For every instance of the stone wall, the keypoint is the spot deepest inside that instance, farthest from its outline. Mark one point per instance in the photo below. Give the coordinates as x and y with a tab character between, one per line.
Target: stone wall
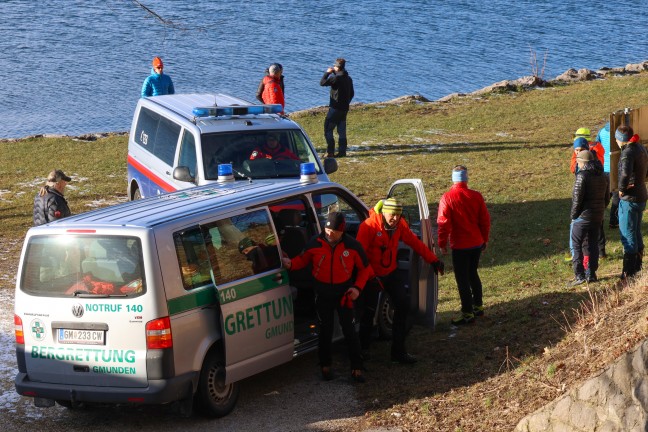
614	401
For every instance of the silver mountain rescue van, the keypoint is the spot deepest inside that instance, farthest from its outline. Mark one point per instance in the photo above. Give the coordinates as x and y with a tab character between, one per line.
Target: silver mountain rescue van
178	297
177	142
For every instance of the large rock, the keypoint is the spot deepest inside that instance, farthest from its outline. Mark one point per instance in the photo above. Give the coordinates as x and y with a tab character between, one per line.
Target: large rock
614	401
571	75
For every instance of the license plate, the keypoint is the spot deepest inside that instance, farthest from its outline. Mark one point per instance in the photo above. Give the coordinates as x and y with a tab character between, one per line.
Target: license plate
84	337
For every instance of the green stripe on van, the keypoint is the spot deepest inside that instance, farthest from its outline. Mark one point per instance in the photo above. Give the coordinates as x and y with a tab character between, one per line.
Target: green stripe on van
206	295
201	297
256	286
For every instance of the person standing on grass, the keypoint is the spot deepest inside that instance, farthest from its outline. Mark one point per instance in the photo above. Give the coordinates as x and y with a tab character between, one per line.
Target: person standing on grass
379	235
603	137
49	203
340	270
464	223
157	83
341	95
633	166
590	196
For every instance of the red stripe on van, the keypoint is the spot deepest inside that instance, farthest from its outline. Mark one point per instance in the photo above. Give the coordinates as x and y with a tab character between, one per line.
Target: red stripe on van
149	175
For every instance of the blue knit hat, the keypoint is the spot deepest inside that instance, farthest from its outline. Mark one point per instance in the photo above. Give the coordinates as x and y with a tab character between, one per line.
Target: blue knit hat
581	142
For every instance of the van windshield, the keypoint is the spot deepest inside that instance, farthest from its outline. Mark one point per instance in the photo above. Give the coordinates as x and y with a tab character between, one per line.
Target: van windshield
68	265
257	154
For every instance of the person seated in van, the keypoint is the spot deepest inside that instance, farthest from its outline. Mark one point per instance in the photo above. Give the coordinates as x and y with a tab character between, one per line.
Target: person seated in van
157	83
272	149
340	269
49	203
263	257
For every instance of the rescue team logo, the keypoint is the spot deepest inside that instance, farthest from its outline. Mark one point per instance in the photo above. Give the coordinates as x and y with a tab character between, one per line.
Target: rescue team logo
77	310
38	329
345	254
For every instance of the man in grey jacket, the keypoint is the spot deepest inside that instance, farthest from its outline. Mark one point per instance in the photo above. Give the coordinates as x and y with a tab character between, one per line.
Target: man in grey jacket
49	203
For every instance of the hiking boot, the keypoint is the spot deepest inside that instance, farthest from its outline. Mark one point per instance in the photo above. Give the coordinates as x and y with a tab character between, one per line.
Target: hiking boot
478	310
327	373
340	155
328	155
357	376
464	318
591	277
578	280
404	358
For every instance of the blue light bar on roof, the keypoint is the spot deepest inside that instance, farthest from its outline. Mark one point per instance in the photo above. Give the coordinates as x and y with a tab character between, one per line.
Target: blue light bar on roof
236	110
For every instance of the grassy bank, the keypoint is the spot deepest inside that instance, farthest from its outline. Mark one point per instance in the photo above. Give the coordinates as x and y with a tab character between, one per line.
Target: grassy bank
517	148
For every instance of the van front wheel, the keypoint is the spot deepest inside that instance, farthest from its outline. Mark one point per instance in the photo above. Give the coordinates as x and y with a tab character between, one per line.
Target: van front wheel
214	398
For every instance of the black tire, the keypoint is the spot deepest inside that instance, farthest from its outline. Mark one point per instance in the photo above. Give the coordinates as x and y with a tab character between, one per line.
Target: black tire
214	398
385	316
137	195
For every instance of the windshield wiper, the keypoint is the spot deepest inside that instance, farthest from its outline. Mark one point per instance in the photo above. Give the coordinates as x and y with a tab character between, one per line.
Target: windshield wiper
86	294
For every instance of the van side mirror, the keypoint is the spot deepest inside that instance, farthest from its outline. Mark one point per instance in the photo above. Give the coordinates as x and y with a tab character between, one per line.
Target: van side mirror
330	165
182	173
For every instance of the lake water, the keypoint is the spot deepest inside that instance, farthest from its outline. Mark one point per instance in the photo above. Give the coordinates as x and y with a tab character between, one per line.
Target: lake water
72	67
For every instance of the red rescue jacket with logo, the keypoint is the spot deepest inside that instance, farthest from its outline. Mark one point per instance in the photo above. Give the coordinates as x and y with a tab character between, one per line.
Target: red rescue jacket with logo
463	218
336	267
382	248
280	152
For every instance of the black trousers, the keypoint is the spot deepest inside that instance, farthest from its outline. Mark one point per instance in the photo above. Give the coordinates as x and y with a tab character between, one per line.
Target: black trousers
394	285
326	305
582	232
465	263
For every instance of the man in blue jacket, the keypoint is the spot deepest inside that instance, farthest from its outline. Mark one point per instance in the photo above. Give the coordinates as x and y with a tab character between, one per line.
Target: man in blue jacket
157	83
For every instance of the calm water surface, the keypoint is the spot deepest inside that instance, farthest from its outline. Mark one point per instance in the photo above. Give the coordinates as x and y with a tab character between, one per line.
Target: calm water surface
74	67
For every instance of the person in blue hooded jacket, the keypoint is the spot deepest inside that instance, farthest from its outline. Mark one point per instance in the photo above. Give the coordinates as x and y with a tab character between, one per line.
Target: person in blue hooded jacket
603	137
157	83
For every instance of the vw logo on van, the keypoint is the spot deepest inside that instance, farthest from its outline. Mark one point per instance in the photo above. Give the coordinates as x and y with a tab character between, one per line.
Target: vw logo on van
77	310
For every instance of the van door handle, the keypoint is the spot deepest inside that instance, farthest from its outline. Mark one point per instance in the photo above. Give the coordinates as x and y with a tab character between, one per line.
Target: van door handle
168	173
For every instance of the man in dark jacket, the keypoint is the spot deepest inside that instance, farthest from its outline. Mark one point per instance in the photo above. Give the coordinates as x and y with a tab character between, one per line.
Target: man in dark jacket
341	85
340	269
49	203
589	200
633	167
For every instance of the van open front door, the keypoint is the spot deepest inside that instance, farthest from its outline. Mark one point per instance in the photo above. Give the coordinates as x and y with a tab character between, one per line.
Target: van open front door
423	281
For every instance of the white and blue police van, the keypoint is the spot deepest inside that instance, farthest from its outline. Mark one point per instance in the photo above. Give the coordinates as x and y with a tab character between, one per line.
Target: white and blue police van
177	141
176	298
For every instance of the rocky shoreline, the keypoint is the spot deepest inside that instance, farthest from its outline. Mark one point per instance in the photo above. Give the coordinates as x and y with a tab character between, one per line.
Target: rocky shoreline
526	83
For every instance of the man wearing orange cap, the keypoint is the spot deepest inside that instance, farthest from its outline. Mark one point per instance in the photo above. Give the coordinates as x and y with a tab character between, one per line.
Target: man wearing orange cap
157	83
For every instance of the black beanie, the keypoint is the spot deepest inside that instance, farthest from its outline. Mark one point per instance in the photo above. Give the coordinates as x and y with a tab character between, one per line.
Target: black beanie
336	221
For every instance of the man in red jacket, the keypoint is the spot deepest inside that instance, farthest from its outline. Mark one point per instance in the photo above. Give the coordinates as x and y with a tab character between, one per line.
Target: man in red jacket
379	234
340	269
464	220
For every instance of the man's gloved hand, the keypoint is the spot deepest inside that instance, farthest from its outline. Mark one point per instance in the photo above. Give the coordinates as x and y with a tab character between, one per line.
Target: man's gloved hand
439	267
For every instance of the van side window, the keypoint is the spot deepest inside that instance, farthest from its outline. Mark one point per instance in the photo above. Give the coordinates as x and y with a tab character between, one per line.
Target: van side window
188	153
241	246
146	129
330	202
193	258
166	140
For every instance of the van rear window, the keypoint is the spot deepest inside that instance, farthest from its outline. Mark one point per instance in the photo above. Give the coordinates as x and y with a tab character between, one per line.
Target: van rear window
69	265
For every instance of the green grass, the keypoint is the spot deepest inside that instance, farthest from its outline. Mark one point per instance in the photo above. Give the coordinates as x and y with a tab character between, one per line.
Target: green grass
517	148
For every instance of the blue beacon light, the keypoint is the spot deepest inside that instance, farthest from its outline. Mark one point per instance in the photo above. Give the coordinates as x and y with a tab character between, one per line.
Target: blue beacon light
308	174
225	173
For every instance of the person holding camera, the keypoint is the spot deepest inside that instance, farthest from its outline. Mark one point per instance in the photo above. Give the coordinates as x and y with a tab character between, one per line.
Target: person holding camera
341	94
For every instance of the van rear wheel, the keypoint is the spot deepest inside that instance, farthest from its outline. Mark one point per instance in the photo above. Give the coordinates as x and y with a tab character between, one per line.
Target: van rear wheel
214	398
